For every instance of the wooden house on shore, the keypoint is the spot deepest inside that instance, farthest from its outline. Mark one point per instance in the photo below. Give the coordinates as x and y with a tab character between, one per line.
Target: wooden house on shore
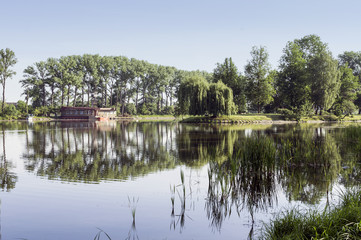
87	113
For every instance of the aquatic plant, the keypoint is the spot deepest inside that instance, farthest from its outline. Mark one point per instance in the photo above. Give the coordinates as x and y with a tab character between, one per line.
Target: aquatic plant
132	204
341	221
98	235
245	179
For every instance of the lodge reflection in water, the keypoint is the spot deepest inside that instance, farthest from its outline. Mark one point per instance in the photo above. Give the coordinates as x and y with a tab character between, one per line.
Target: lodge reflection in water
91	152
245	166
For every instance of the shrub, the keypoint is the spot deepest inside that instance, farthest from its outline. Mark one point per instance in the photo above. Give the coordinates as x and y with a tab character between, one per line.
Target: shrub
168	110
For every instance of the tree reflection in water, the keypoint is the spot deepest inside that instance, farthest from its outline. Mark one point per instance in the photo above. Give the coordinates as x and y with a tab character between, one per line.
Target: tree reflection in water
245	179
92	153
245	166
304	160
8	179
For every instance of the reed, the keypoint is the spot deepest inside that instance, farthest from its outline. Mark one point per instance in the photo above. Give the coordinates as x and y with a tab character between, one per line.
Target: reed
342	221
132	203
99	234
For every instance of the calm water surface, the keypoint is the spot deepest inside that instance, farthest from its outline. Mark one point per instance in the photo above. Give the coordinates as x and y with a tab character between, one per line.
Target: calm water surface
167	180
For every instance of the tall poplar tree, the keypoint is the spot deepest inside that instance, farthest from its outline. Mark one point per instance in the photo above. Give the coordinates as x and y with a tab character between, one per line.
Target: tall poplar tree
227	72
259	85
324	79
7	60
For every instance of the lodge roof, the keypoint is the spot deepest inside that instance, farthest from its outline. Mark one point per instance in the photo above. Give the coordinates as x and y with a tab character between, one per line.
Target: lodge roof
86	108
78	108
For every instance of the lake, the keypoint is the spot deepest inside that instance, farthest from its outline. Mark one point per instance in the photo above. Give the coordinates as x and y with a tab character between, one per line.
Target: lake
129	180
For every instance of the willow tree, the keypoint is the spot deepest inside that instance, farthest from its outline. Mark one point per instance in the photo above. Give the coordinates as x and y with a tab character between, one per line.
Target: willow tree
220	99
192	95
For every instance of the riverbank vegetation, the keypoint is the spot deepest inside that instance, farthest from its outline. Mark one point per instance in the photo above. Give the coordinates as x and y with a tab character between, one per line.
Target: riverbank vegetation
342	221
308	81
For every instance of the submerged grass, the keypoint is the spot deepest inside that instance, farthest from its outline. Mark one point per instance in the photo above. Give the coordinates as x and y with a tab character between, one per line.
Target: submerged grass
342	221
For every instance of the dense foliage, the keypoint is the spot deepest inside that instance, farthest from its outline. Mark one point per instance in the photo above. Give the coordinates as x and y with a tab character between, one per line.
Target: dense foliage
309	80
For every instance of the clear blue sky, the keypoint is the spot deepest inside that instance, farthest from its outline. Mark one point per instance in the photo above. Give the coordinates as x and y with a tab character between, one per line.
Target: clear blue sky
189	35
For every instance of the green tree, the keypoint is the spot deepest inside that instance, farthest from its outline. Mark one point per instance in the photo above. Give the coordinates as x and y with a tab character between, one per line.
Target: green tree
259	86
36	78
7	60
292	86
22	107
192	95
348	92
90	76
220	99
227	72
105	67
353	60
308	76
324	79
321	71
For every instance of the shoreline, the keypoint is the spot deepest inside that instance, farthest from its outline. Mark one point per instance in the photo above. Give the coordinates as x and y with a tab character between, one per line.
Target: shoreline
223	120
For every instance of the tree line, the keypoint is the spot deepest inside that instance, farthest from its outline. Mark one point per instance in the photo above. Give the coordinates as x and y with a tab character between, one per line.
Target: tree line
308	80
134	86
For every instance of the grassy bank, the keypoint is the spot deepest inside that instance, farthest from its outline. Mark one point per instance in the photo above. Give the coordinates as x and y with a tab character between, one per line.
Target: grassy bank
232	119
342	221
259	118
244	118
154	118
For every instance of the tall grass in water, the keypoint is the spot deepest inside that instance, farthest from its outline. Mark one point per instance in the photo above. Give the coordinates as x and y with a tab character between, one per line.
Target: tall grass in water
132	234
132	203
97	237
245	179
342	221
183	199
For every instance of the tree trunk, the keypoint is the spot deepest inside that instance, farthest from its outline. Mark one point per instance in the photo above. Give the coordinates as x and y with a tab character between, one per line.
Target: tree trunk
3	103
27	102
123	104
111	96
105	95
89	96
44	95
76	90
136	102
68	95
158	103
62	97
82	96
52	97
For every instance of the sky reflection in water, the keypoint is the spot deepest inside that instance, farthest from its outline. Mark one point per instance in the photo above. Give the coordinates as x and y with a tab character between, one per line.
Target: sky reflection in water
68	180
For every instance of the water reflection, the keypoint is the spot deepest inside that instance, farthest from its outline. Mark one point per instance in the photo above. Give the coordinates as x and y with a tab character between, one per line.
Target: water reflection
91	153
8	179
246	166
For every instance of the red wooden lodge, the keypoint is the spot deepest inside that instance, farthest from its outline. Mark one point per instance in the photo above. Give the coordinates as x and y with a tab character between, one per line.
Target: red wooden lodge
87	113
